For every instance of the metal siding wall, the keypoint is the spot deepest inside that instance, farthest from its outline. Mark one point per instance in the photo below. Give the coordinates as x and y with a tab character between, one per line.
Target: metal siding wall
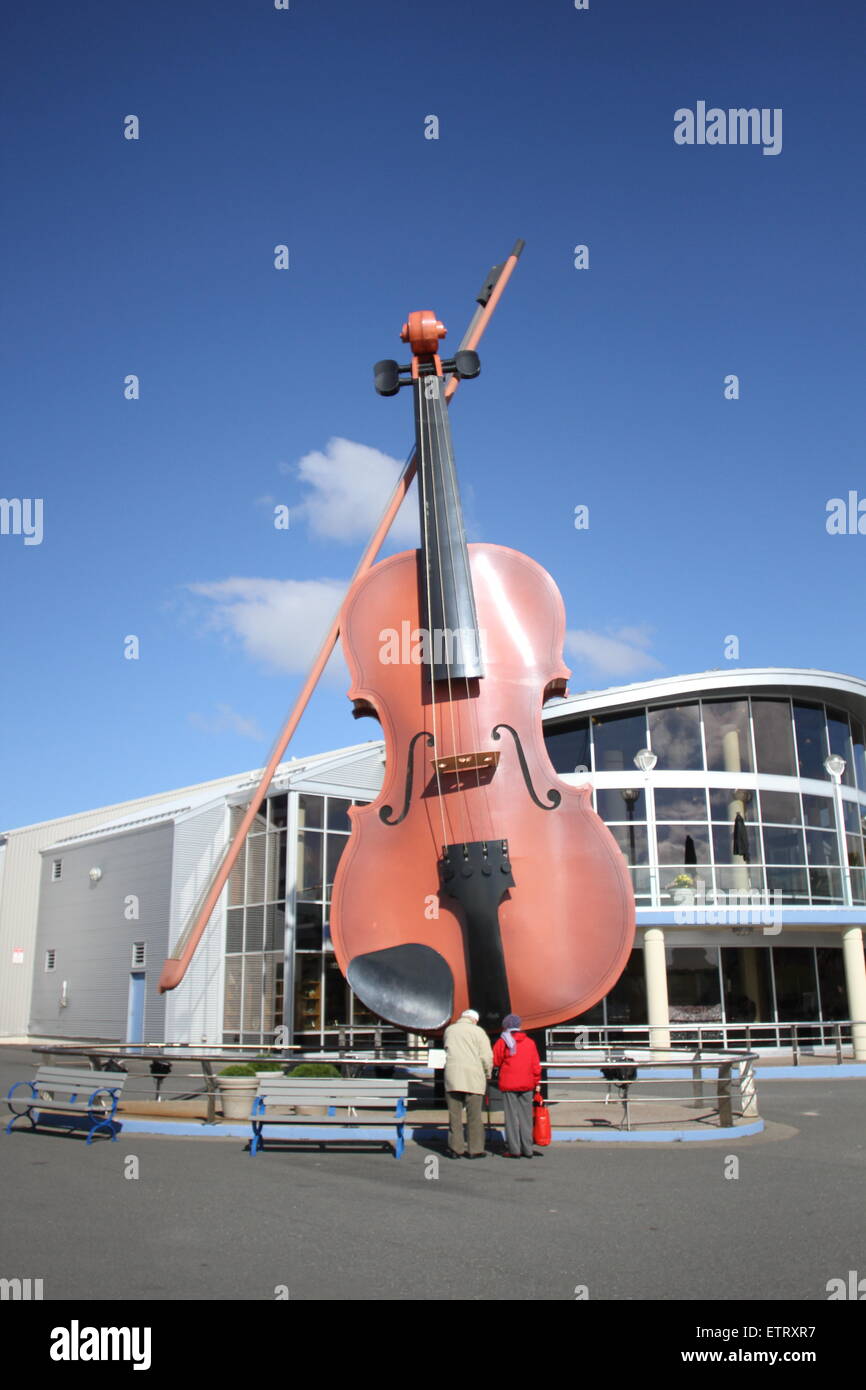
360	777
194	1009
86	926
19	892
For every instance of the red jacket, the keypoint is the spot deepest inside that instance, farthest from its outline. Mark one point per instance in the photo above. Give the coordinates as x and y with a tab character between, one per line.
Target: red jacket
522	1072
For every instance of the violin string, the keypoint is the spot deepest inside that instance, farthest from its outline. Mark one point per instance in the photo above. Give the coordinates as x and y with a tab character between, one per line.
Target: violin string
446	452
461	801
423	473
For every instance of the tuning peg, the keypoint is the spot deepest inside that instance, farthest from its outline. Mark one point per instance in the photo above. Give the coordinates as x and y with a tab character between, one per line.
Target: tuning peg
386	376
467	364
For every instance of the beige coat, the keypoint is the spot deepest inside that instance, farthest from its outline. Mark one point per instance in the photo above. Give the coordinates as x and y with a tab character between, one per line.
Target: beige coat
469	1057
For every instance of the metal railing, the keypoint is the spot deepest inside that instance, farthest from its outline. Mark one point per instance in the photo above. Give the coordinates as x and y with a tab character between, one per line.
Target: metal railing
800	1036
721	1084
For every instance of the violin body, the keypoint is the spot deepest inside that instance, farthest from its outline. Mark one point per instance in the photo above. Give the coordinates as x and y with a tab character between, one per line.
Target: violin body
567	919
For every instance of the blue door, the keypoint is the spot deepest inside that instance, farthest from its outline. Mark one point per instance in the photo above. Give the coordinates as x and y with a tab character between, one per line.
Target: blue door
135	1008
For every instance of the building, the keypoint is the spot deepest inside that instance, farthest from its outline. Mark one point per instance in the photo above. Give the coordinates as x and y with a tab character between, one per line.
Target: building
738	798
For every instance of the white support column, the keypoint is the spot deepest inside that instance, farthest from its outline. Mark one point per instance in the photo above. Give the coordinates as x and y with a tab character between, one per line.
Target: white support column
855	981
655	973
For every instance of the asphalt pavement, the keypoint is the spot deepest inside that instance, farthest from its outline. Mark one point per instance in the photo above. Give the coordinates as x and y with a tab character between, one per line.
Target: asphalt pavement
159	1218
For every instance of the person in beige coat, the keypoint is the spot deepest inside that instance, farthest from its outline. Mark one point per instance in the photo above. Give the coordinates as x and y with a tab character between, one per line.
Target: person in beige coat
468	1064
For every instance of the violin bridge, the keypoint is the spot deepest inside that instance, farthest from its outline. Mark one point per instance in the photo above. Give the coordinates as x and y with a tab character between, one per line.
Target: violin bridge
466	762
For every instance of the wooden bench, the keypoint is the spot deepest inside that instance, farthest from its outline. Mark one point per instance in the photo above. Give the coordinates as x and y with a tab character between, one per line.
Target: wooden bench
66	1091
276	1093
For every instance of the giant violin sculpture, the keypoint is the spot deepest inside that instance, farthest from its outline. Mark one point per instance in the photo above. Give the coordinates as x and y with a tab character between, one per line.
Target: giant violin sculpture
476	877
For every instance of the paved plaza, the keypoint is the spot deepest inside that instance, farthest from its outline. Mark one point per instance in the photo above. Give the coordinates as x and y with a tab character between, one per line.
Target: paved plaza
204	1220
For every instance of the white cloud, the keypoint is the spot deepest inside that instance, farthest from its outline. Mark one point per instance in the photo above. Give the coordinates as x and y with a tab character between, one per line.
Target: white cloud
348	486
280	622
227	720
623	652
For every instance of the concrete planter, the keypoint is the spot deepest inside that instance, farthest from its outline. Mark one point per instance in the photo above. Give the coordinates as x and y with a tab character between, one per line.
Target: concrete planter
237	1094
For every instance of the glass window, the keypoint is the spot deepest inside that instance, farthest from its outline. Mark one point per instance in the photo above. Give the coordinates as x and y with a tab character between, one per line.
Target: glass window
234	931
269	989
633	842
858	885
308	927
855	851
790	884
278	811
781	808
774	738
232	999
740	879
831	982
693	984
822	847
626	1002
237	877
683	844
681	803
675	736
641	883
819	811
726	730
811	740
826	885
783	846
338	813
852	814
747	985
275	927
859	752
336	996
621	803
308	992
310	882
840	742
336	845
617	737
568	745
311	811
255	929
796	982
256	868
722	800
251	1020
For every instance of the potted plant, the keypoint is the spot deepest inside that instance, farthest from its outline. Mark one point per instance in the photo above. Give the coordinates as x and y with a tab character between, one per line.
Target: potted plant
322	1069
682	888
238	1084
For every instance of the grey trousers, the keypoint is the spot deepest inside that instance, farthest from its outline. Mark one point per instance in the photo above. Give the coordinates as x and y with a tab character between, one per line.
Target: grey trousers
518	1122
474	1116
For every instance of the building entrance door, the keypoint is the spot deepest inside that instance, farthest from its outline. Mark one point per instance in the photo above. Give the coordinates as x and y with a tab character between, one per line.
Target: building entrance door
135	1008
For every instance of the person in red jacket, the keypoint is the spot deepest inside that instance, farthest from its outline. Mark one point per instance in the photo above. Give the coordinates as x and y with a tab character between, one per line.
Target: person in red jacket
517	1058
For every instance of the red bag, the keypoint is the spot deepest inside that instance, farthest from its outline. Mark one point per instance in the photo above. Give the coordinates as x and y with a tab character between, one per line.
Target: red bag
540	1121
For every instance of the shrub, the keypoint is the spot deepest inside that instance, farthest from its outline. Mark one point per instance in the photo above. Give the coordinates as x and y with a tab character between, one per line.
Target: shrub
314	1069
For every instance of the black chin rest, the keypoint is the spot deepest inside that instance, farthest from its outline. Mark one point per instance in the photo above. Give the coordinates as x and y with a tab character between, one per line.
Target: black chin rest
410	986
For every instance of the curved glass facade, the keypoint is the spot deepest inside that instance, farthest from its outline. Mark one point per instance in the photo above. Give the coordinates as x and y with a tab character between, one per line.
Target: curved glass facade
723	839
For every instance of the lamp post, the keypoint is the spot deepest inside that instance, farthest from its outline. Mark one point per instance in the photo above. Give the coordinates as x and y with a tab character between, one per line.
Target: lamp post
835	769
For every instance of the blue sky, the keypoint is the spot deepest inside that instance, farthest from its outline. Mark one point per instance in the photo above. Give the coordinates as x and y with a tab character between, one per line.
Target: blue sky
601	387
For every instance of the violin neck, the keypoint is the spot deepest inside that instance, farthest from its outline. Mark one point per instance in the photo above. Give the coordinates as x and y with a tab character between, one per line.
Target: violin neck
447	597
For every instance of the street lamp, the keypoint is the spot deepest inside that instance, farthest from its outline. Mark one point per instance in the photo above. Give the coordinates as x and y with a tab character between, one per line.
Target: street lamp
645	761
835	766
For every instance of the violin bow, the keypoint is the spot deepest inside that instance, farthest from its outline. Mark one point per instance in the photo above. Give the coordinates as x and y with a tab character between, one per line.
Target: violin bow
177	964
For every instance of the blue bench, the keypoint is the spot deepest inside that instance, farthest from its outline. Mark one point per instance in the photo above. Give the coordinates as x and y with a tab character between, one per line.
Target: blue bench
277	1095
64	1091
